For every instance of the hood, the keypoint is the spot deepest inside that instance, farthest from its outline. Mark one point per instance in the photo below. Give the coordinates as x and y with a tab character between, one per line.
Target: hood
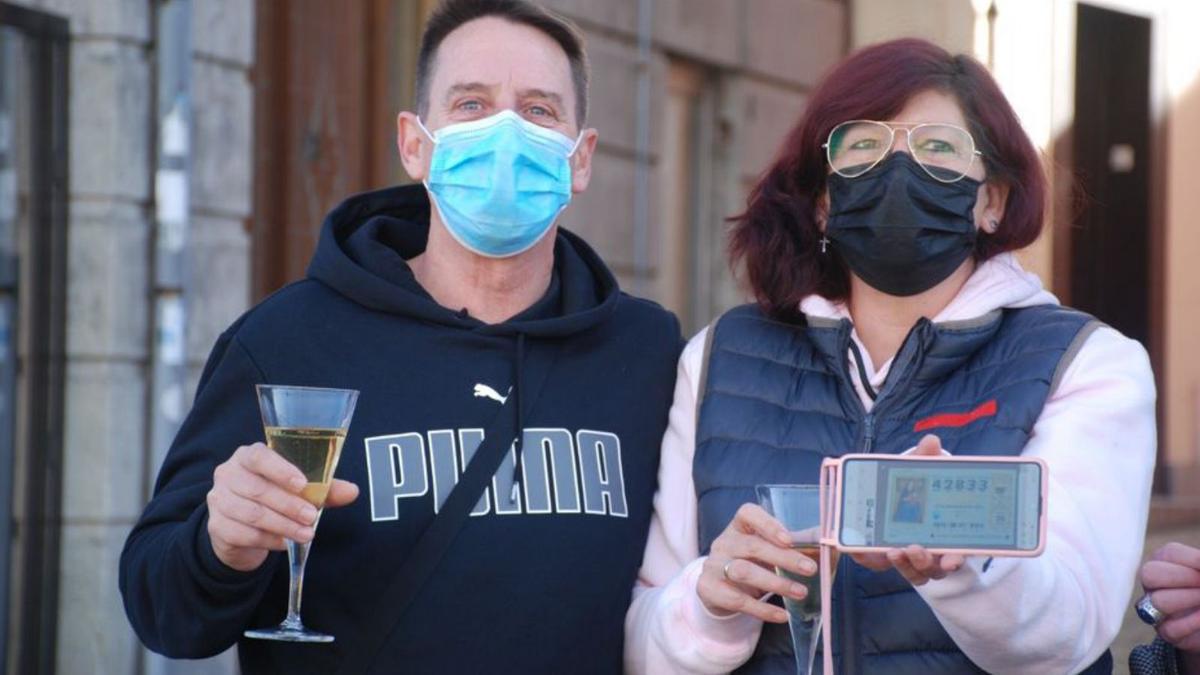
366	241
998	283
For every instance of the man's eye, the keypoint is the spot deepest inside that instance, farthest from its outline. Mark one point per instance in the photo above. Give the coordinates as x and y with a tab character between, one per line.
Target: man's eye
540	111
470	105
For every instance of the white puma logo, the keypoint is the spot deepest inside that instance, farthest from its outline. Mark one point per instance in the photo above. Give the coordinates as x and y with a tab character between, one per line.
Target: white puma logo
484	391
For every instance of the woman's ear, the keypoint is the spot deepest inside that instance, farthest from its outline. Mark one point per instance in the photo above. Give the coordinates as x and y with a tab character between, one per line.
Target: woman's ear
989	206
821	210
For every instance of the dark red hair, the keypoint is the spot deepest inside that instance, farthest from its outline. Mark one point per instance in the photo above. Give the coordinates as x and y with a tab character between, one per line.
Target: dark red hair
777	237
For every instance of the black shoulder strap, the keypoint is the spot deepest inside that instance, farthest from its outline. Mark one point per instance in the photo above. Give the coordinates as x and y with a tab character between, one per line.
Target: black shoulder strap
421	562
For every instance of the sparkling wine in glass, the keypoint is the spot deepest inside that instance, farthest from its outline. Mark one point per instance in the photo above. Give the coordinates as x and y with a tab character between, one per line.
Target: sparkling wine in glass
798	508
306	426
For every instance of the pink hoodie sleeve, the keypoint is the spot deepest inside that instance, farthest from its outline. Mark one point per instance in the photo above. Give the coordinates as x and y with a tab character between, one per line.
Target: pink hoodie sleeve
668	629
1058	612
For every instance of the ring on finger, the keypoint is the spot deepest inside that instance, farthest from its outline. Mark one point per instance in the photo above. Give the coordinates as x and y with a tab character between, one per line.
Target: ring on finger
725	569
1147	612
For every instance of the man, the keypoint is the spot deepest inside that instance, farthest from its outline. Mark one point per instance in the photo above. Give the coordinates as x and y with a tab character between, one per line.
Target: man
445	319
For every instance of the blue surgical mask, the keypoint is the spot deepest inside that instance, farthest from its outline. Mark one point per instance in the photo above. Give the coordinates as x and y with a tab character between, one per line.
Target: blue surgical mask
500	182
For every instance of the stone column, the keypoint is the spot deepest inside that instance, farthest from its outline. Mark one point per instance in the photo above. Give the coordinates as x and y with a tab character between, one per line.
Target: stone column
103	453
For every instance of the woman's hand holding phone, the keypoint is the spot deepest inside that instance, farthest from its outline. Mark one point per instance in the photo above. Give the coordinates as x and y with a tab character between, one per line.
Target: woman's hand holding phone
914	563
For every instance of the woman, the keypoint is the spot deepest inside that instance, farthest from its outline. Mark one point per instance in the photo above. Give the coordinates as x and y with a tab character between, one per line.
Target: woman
889	307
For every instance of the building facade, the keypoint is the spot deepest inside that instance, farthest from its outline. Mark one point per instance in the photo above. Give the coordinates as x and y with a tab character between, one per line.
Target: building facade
1118	128
138	177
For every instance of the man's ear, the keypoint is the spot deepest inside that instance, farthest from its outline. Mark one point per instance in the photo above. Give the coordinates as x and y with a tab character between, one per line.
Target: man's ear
414	145
989	206
581	161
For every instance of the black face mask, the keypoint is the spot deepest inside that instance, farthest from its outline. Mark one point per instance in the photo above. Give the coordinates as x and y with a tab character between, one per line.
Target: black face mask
900	230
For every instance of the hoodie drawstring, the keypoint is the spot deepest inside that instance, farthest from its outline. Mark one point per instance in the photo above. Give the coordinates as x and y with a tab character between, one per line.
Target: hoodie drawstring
862	370
518	442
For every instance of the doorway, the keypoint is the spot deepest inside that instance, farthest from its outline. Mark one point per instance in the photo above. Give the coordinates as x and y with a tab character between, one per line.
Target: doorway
329	80
1116	239
1111	240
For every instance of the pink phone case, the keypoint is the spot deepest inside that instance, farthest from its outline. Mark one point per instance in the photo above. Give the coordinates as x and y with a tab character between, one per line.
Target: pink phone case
831	500
831	524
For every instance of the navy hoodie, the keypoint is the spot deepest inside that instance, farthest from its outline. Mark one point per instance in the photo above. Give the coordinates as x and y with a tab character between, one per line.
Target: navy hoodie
535	585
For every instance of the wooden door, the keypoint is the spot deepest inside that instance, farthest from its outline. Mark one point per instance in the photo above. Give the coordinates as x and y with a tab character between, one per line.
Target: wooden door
1110	244
1115	246
329	80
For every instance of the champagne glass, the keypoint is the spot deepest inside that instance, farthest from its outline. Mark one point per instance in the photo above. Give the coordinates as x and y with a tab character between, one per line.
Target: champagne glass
798	508
306	426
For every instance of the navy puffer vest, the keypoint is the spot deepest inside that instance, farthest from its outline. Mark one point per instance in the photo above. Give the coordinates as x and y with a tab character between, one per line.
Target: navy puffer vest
777	398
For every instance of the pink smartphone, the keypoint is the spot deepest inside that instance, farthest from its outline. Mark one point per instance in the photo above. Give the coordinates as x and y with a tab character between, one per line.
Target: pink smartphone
946	503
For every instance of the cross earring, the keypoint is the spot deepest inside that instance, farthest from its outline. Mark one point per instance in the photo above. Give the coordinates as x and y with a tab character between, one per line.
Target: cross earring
824	243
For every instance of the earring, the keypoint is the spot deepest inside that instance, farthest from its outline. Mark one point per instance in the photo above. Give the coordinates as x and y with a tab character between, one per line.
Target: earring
995	225
824	243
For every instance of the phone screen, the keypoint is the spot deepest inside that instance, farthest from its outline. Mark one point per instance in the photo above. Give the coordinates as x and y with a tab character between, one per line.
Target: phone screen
941	504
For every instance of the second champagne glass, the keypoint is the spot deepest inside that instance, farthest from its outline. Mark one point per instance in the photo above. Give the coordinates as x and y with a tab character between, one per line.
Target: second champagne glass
798	508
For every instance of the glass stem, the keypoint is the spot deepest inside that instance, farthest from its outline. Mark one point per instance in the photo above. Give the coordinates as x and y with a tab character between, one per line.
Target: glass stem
804	642
297	556
814	641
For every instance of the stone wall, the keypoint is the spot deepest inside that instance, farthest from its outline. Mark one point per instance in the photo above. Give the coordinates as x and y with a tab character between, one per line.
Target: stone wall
756	59
107	466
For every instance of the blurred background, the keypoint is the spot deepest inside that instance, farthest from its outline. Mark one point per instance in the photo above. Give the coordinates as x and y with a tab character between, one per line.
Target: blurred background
165	164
